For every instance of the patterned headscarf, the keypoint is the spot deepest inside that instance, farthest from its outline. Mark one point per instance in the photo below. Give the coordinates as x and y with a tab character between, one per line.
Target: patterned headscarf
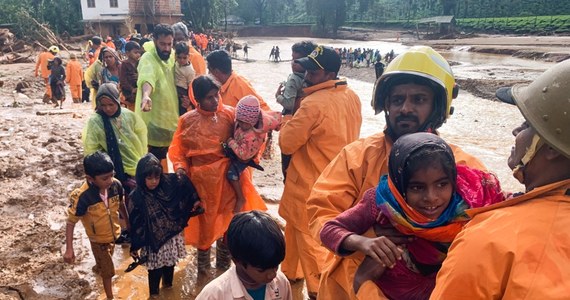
472	188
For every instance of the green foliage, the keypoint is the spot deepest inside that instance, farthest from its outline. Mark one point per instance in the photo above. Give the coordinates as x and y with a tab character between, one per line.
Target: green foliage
535	24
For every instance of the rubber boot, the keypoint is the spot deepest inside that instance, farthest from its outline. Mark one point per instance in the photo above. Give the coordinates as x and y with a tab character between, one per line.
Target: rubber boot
203	260
223	257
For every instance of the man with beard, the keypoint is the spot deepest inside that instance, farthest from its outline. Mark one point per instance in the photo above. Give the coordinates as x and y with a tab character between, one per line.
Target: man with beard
519	249
157	100
415	93
328	119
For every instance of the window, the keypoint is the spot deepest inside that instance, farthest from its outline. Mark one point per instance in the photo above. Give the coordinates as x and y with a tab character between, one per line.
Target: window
114	3
91	3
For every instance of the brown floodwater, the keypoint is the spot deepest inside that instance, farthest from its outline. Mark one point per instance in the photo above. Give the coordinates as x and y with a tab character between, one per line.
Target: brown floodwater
481	127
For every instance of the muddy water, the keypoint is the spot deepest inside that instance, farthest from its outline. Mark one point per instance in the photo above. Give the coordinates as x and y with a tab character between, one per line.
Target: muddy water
480	127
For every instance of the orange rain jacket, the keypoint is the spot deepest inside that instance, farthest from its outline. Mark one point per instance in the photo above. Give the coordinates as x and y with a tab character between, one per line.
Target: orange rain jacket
197	61
74	72
357	168
237	87
328	119
196	147
42	62
517	249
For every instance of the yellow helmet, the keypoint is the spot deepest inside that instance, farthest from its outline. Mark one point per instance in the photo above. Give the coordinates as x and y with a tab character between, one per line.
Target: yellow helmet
426	63
53	49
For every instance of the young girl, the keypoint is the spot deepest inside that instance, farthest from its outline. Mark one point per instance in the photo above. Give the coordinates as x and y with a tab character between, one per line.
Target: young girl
425	194
251	127
57	82
159	209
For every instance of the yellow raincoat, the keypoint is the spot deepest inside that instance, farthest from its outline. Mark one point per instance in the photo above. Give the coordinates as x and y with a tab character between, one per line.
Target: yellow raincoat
93	73
328	119
196	147
356	169
162	120
131	135
517	249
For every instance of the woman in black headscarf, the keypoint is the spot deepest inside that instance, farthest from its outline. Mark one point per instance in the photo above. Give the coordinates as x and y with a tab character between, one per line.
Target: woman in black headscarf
159	209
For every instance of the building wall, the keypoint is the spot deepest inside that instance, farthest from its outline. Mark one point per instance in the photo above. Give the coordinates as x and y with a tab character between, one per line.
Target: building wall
144	13
156	7
103	10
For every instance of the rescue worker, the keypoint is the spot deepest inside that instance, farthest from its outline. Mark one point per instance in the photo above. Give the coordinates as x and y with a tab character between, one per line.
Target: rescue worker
74	72
42	68
328	119
234	86
415	93
519	249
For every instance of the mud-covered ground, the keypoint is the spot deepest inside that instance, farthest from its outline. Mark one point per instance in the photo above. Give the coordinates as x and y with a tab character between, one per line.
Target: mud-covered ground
41	163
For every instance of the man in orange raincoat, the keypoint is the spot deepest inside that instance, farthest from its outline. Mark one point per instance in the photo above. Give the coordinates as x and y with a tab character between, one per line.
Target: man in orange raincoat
234	86
42	68
74	77
415	93
520	248
328	119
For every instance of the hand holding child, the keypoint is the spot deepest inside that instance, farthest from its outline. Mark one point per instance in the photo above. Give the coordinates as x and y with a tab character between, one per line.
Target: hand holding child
382	250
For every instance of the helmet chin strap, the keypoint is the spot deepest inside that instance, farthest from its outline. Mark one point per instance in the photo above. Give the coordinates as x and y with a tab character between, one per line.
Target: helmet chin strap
535	145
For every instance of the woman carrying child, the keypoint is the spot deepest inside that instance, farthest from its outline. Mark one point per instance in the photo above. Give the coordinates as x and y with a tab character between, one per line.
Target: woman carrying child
250	132
57	82
196	150
425	195
159	209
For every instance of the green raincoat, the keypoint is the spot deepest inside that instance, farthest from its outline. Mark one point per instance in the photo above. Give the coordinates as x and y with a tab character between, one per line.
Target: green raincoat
131	135
162	120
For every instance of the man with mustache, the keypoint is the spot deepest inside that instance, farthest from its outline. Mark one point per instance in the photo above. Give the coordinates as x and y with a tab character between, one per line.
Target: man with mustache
328	119
519	249
415	93
157	100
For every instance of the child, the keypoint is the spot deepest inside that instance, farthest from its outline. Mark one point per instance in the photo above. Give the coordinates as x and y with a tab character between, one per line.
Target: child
250	132
97	204
159	209
425	194
57	82
128	74
183	75
74	72
257	247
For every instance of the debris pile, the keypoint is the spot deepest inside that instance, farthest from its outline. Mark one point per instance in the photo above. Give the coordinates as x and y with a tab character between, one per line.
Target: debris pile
11	49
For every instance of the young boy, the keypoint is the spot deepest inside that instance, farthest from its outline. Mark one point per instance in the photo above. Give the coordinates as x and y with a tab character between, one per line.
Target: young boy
74	72
183	75
128	74
257	247
97	203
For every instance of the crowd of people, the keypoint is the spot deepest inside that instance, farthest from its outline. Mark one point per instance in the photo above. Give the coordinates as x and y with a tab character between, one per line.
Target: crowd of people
401	214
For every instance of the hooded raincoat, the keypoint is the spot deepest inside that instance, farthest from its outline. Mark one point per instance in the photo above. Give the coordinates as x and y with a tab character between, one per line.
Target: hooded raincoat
341	185
130	132
237	87
517	249
328	119
162	120
196	148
